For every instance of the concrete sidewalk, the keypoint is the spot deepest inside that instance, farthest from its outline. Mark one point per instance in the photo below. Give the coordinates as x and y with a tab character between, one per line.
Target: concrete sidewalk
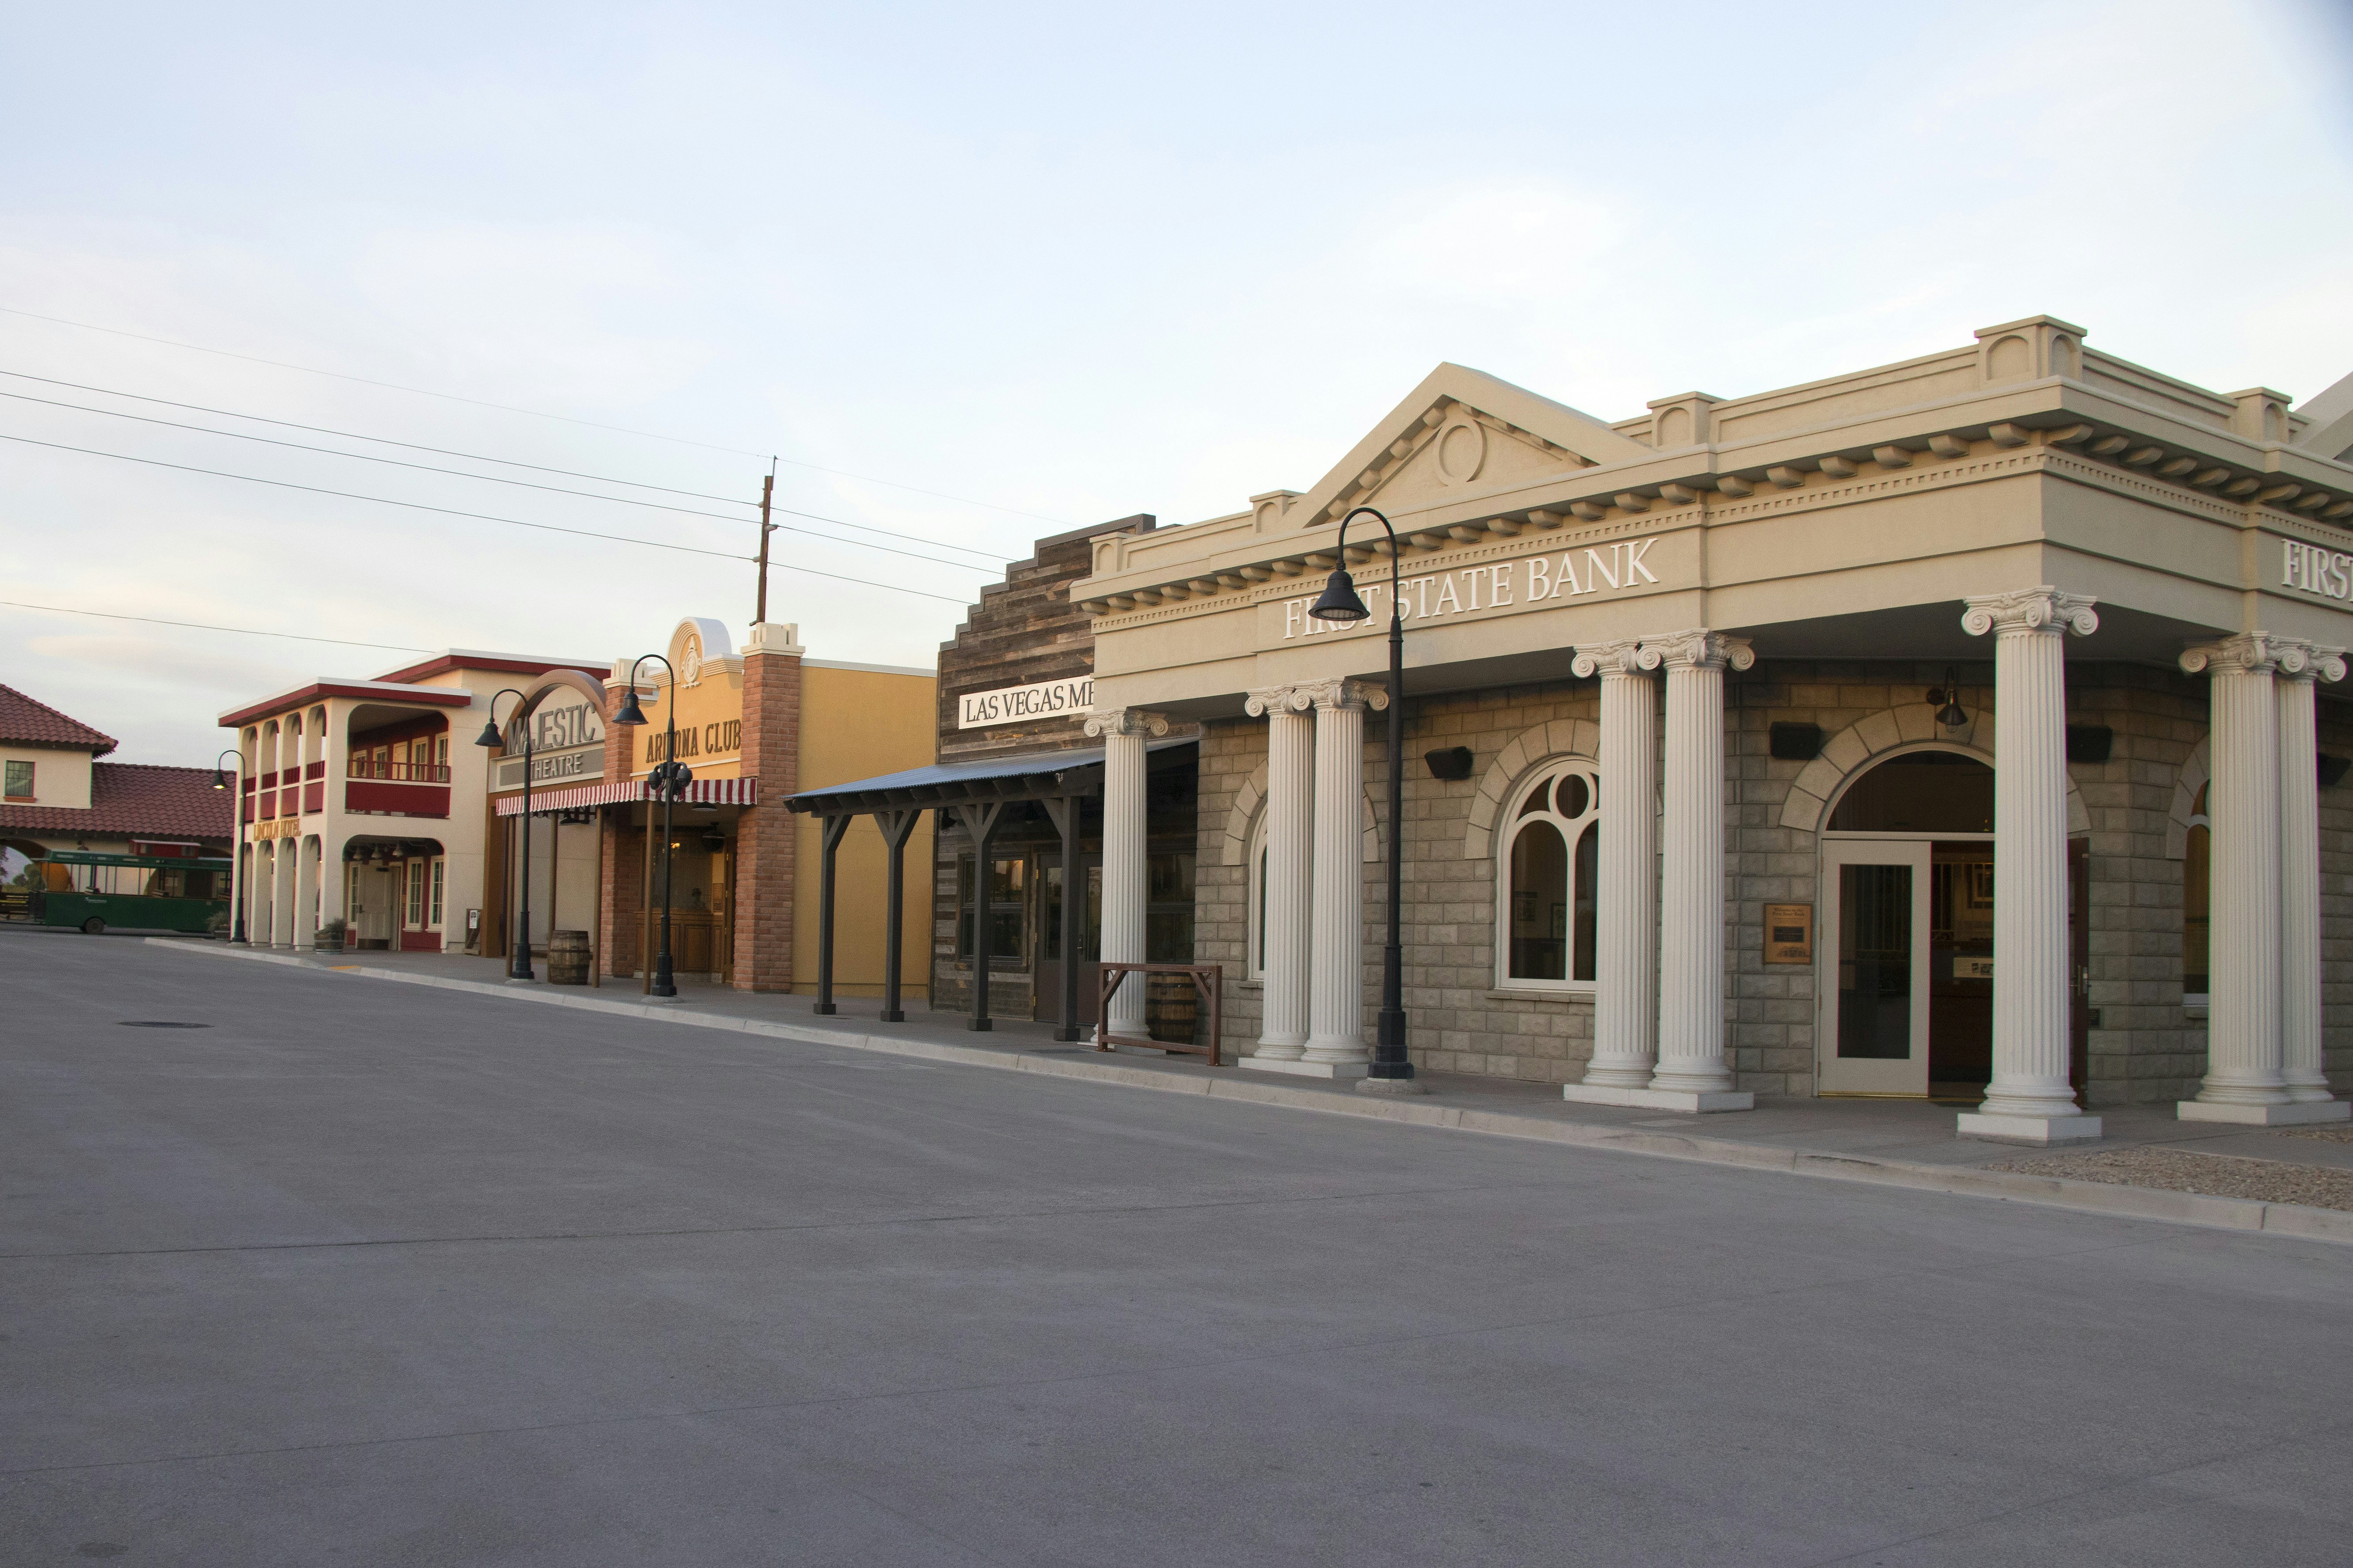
1906	1143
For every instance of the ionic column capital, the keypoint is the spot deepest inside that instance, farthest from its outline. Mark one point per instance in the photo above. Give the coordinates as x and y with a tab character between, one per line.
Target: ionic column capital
1695	647
2025	611
1343	694
2248	653
1266	700
1620	657
2302	661
1126	722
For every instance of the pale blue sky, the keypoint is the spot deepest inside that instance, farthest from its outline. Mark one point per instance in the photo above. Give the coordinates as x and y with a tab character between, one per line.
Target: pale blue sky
1074	263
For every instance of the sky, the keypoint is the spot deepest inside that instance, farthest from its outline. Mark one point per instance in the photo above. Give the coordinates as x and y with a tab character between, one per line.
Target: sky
973	276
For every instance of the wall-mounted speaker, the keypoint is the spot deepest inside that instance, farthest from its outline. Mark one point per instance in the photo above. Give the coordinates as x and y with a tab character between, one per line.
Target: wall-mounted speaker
1792	743
2090	742
1449	762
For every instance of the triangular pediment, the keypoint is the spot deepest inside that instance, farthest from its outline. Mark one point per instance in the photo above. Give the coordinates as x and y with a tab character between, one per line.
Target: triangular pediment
1460	432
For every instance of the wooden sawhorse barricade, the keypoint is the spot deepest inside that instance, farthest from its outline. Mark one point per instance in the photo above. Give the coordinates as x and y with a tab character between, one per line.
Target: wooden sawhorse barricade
1208	980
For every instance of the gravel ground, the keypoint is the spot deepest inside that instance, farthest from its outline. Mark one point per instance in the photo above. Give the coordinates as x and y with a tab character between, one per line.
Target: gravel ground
2342	1133
2214	1175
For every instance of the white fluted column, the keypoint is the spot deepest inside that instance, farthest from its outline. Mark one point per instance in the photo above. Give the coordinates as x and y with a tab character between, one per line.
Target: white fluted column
2243	1059
1123	731
2250	971
1287	896
1335	962
1692	1063
2299	768
2029	1097
1626	940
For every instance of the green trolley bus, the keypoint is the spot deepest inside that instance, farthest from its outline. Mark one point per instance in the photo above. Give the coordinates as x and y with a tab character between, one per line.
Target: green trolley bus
137	892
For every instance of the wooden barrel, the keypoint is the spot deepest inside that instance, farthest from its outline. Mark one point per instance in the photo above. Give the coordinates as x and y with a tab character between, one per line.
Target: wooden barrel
1172	1008
568	958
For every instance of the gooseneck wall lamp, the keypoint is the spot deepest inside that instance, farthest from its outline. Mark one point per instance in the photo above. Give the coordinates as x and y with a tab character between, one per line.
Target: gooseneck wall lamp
1391	1067
519	953
236	818
669	779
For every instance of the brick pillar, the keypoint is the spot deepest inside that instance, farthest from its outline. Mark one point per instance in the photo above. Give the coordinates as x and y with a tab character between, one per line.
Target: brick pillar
765	833
623	891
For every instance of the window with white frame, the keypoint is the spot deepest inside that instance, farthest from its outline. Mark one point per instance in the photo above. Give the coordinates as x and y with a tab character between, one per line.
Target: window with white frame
433	914
1549	856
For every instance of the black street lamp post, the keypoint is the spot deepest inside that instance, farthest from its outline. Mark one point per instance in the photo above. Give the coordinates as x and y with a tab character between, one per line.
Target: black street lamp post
237	872
669	779
519	960
1391	1069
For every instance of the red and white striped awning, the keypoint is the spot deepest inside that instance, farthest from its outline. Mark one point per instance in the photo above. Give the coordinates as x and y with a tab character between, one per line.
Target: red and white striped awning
702	791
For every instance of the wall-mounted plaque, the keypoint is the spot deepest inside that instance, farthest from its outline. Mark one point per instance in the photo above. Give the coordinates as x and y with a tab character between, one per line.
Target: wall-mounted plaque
1788	933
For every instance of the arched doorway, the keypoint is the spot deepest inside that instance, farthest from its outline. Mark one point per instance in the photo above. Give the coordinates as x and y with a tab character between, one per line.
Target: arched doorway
1905	955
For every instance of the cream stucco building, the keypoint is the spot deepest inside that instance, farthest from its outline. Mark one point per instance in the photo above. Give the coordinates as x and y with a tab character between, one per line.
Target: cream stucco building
1955	728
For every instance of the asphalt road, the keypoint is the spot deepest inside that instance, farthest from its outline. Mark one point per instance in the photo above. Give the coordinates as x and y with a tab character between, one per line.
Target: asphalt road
369	1273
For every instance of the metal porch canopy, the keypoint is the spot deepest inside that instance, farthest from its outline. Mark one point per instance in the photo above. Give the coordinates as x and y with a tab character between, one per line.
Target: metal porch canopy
1032	776
975	795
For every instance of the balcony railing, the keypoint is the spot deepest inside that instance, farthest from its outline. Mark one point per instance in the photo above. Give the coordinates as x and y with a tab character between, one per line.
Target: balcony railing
401	772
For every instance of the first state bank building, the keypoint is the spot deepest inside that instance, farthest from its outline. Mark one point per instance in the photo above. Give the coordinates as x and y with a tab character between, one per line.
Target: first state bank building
1959	728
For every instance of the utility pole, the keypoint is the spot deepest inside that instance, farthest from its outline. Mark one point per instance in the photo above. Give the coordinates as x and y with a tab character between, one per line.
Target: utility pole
767	491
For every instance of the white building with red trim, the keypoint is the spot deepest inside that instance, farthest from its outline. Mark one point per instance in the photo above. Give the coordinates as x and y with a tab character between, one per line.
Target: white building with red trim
361	801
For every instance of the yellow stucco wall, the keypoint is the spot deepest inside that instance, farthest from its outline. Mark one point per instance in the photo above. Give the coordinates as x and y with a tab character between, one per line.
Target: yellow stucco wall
855	724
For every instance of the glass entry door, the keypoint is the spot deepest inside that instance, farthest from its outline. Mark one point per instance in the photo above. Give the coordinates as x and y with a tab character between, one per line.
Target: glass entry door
1872	983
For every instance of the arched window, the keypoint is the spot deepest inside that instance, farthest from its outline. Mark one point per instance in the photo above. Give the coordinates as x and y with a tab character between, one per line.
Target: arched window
1550	859
1258	899
2196	893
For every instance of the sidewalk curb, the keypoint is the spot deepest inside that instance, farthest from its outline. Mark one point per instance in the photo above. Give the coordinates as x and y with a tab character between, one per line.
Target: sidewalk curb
2048	1191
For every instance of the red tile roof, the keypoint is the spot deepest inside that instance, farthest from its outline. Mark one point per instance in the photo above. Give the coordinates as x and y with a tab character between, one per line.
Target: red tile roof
139	800
39	724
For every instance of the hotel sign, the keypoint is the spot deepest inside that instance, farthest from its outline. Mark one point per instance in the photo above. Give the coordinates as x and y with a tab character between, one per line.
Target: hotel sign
1012	704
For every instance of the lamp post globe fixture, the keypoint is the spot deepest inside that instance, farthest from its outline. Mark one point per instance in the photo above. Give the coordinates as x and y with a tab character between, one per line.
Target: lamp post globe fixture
669	778
1392	1069
519	953
236	818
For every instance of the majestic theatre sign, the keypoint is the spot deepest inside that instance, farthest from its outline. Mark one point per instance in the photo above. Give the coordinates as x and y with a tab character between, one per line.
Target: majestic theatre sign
565	736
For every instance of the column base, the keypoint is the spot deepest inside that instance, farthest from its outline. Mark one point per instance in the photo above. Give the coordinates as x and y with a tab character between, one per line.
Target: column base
1658	1099
2027	1129
1298	1068
2295	1114
1391	1086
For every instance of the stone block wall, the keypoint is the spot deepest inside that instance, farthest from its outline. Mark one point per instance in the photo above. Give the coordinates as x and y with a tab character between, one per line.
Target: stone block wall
2145	1046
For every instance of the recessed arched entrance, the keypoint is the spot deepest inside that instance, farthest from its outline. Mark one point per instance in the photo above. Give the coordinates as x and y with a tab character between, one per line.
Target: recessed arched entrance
1905	956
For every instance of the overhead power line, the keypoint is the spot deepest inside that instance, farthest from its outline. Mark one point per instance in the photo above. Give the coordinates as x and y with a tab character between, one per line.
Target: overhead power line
533	413
203	627
380	440
439	452
387	385
490	478
478	516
